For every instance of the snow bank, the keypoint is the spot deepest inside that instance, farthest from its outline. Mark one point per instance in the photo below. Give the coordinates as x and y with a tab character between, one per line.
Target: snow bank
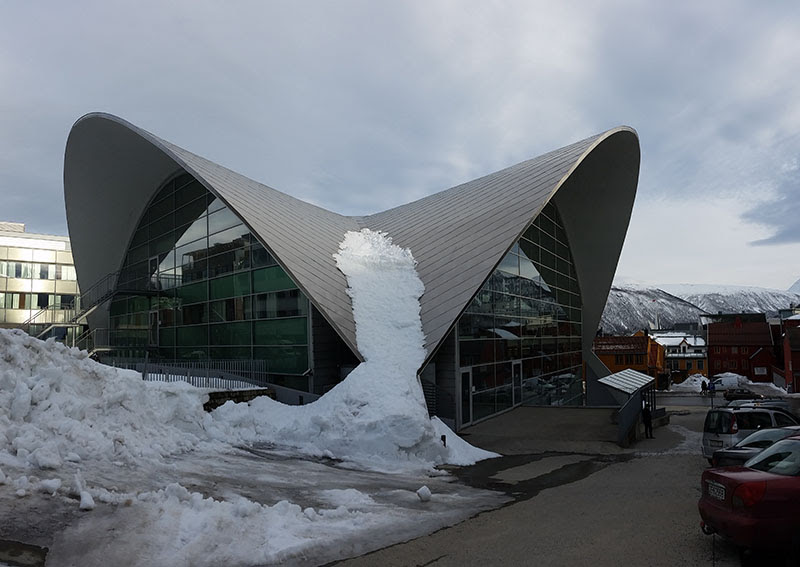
58	405
692	383
376	418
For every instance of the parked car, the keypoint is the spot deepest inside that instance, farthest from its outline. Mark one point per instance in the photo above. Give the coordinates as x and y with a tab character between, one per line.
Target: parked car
778	403
727	426
751	446
741	394
755	506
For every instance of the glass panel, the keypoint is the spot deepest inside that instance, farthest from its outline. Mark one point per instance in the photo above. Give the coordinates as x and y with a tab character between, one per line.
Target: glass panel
235	237
229	286
509	264
260	257
478	351
230	334
271	279
280	332
483	377
288	359
192	336
483	404
222	219
193	293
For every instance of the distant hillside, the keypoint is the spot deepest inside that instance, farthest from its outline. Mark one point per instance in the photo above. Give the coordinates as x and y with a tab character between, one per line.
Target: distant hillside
795	287
631	308
735	299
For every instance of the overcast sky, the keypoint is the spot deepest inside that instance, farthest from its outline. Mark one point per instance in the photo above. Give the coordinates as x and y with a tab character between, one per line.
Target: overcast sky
361	106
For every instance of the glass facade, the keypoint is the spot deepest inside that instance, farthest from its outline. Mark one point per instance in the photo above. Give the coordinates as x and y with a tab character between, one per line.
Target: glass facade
519	340
197	285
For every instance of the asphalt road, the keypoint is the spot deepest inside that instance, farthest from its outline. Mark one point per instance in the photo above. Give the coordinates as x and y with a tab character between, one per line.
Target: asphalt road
636	508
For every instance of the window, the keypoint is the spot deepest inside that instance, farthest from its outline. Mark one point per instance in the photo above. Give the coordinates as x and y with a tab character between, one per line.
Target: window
618	359
733	365
745	364
782	420
688	365
745	350
717	350
700	365
734	350
717	364
639	359
760	370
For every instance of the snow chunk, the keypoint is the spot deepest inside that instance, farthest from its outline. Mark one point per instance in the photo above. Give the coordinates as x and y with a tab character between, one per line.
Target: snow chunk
87	502
424	494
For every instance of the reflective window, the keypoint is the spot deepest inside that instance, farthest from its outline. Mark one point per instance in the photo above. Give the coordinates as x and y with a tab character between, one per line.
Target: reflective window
527	313
202	287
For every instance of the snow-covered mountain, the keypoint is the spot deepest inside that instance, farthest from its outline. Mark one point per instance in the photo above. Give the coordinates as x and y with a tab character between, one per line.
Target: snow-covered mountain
795	287
634	307
734	299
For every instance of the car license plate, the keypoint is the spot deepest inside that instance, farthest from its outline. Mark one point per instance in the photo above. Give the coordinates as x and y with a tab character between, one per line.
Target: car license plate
715	443
715	490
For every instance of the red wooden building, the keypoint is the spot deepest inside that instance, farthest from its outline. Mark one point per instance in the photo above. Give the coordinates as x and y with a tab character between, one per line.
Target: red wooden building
741	344
791	354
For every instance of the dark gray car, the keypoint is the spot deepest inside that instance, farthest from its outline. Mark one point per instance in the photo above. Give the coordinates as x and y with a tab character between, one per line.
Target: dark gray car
751	446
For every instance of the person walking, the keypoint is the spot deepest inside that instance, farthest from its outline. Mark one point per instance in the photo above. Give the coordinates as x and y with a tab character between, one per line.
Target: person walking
703	388
647	419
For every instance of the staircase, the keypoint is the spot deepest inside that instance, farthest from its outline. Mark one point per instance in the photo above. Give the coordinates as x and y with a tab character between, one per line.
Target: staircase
62	316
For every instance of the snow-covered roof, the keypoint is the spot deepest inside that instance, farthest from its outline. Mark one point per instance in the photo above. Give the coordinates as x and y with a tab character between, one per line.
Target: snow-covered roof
627	381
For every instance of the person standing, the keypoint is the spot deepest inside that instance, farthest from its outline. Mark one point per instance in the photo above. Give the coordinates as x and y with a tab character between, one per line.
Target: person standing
647	419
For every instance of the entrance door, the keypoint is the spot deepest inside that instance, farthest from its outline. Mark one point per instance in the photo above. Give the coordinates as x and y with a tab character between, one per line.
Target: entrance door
466	397
516	374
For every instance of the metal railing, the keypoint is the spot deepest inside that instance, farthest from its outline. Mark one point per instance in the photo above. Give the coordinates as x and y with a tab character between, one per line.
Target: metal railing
70	314
205	374
94	340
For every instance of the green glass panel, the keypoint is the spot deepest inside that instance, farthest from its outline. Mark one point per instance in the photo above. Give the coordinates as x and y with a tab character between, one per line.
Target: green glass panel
196	335
281	332
272	278
230	334
192	353
290	360
230	353
166	337
193	293
230	286
118	307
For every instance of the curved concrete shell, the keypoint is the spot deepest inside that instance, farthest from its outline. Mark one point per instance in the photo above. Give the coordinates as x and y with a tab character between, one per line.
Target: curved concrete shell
113	169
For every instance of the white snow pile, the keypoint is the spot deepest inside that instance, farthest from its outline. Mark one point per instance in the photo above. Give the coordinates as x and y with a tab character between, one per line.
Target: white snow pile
57	405
376	418
692	383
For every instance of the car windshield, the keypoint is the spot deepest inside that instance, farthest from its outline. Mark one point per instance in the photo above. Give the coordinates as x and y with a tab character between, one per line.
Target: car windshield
782	458
765	437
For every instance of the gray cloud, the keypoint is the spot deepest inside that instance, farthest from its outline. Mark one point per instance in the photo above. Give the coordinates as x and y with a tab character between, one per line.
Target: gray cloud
359	106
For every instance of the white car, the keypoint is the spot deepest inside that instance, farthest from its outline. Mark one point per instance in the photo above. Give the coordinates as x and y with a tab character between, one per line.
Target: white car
726	426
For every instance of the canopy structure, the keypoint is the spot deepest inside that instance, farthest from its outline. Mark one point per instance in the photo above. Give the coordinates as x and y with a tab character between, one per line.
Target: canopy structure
113	170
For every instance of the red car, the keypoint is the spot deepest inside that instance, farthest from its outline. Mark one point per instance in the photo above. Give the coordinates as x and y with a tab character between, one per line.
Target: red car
756	506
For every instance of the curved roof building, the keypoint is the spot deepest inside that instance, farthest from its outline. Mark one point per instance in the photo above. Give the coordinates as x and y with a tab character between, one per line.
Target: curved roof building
206	264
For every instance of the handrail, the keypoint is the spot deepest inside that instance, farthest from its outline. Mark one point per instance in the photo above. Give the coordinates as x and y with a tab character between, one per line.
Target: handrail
50	309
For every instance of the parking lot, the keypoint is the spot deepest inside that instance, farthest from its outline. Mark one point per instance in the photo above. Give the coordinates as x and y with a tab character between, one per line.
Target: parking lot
586	502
